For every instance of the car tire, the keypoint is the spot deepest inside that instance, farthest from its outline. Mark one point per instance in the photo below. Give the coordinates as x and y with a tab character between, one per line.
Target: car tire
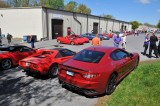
59	41
72	43
53	71
6	64
111	85
136	63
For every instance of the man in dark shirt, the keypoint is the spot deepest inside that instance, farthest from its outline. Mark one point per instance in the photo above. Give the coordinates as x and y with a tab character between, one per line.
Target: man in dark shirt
153	40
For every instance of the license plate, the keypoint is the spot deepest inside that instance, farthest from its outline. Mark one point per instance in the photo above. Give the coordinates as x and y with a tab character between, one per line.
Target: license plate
70	73
27	64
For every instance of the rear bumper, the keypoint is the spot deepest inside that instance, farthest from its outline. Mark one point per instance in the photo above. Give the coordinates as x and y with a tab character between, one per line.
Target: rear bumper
28	70
87	87
89	92
31	71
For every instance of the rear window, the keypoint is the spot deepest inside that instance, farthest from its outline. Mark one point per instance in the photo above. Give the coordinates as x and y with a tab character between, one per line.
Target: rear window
89	56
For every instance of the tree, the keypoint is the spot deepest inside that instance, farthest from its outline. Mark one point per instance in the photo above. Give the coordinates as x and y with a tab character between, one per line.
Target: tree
42	2
107	16
14	3
83	9
71	6
3	4
135	24
55	4
158	25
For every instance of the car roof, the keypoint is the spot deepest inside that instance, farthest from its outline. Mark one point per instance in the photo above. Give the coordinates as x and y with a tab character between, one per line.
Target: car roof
6	46
106	49
58	49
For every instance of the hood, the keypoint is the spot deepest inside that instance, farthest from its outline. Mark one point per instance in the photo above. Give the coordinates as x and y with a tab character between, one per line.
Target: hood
81	65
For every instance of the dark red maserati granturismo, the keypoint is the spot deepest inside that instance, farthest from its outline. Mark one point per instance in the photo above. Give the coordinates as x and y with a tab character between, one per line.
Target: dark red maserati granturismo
97	69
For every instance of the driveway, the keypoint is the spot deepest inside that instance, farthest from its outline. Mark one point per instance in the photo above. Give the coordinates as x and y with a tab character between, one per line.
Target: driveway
17	88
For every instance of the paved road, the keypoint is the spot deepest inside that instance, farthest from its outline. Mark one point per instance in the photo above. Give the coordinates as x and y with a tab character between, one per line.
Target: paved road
16	88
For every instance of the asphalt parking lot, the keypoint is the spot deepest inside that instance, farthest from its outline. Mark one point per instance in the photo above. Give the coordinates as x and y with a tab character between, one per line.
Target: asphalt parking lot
19	89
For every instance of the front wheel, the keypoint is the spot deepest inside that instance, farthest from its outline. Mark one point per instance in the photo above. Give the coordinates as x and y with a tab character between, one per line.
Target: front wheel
136	63
72	43
111	86
6	64
53	71
59	41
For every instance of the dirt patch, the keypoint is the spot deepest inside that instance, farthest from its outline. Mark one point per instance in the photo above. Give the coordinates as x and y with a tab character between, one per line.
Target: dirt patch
102	101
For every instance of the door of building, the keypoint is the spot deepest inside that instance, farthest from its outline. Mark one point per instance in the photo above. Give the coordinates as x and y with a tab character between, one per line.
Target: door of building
57	28
95	28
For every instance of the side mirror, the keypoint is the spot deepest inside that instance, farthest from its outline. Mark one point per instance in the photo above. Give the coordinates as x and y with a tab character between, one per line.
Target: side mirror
130	55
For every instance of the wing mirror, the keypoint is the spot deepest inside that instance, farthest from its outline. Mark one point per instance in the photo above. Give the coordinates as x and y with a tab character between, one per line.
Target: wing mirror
130	55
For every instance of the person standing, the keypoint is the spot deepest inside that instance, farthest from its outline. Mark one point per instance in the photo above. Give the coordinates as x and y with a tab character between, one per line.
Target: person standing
153	46
159	45
124	41
96	41
9	37
146	43
117	40
0	40
32	41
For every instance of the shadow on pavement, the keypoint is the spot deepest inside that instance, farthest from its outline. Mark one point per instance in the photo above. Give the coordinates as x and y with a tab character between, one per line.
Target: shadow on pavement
18	89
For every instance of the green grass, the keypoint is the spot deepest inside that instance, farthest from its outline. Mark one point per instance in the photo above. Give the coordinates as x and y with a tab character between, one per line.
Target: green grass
140	88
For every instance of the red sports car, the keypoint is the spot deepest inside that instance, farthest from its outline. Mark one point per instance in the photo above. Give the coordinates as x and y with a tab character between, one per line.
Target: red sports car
97	70
86	40
46	63
10	55
70	40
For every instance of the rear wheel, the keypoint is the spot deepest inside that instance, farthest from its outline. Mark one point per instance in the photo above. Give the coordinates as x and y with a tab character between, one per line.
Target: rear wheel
111	86
53	71
6	64
72	43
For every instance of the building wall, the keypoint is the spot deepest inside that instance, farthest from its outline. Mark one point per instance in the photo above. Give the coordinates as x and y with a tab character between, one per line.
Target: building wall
38	21
19	22
103	25
116	26
110	25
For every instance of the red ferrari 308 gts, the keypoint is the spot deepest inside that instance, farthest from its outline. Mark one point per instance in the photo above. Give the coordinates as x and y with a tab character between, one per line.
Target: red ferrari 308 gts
97	70
70	40
47	62
86	40
10	55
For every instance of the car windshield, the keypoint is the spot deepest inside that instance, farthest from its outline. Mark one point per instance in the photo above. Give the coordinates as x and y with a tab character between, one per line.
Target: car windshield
89	56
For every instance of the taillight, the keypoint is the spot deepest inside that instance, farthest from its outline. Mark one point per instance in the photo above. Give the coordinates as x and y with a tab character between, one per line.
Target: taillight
90	75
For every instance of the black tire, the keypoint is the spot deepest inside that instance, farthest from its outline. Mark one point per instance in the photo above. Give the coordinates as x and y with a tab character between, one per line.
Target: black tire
6	64
59	41
111	85
136	63
72	43
53	71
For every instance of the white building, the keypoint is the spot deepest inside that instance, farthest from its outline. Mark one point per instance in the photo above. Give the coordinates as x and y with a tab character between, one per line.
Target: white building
50	23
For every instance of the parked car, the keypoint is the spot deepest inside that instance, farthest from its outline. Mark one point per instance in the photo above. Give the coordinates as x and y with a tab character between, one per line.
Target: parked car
97	70
10	55
70	40
85	39
90	36
46	62
106	37
110	35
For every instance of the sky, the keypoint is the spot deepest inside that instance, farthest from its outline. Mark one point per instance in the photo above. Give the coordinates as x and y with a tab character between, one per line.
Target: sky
126	10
